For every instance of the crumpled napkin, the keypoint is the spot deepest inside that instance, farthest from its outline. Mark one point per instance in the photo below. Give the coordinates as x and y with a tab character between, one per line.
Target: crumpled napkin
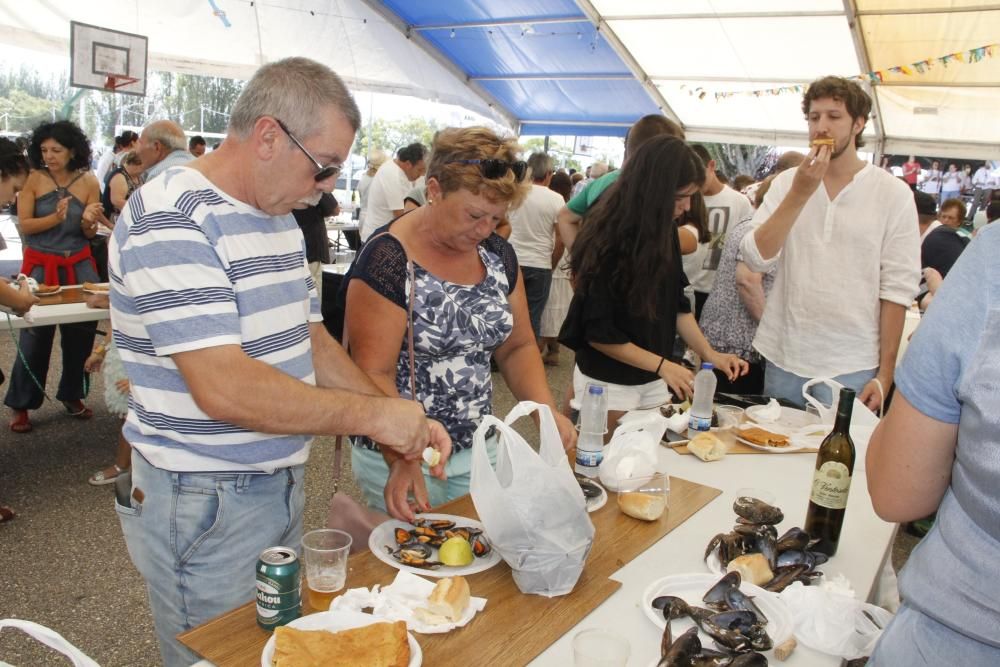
829	618
769	413
399	600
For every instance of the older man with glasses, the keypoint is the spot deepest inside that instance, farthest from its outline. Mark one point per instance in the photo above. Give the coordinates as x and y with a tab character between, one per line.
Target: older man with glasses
219	327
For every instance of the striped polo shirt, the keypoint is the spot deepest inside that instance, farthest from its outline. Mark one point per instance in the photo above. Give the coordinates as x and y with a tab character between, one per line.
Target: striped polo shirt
193	268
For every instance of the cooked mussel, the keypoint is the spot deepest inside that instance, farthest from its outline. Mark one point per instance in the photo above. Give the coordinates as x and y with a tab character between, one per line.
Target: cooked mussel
754	510
715	597
480	545
402	536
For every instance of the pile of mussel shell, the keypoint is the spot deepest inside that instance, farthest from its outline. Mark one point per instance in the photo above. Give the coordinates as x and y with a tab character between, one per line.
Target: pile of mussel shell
415	547
788	555
729	617
590	489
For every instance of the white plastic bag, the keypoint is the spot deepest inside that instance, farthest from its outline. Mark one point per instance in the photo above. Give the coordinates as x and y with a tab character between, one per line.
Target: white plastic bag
833	621
861	416
531	505
633	449
50	638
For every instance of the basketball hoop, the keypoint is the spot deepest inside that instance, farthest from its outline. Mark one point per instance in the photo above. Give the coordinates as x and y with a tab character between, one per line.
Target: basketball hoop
115	81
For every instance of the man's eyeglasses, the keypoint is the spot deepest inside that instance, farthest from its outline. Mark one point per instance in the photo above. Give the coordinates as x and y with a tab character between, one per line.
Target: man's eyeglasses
491	168
322	173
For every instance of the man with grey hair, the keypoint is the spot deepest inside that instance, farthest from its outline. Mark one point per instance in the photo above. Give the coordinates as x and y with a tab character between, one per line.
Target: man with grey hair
594	172
219	328
533	235
161	145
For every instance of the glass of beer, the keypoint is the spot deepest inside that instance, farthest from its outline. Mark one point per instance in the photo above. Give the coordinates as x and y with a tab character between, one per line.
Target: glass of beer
324	557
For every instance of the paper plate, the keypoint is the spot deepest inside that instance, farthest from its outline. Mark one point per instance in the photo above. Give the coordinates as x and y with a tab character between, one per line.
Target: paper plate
794	443
692	587
384	536
335	621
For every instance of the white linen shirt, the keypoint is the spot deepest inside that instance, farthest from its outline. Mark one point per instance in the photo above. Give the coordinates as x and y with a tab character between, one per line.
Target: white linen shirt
840	259
533	227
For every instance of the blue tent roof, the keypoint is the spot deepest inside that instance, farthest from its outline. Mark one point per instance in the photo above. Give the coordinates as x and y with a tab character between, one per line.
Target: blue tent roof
543	61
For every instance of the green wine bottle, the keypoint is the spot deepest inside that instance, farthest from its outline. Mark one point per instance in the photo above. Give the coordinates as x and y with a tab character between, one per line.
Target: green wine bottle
832	480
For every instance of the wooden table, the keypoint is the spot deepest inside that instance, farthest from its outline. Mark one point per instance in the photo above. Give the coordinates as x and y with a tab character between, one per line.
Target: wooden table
536	622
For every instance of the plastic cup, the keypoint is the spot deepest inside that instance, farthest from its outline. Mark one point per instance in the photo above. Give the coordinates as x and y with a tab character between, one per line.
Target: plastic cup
600	648
646	497
760	494
730	417
324	555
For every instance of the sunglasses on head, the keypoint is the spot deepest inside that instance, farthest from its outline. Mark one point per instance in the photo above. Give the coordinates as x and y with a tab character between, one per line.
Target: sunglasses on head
322	173
491	168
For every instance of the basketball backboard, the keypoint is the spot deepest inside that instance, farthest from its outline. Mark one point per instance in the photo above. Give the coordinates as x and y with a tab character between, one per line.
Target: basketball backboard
109	60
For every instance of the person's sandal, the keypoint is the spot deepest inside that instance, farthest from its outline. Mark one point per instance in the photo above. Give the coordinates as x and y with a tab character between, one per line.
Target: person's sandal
77	409
20	423
106	476
6	514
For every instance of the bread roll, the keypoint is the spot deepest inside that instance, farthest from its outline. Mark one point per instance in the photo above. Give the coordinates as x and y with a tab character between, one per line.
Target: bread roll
752	567
707	447
645	506
449	598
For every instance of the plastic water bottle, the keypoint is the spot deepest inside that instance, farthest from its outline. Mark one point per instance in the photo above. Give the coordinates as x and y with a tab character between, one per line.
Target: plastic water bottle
593	426
700	415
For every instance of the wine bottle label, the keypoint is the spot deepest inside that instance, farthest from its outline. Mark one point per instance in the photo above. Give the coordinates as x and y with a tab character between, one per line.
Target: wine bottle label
831	484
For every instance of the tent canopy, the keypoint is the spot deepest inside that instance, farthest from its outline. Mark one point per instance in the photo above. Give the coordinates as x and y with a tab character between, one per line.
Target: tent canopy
728	70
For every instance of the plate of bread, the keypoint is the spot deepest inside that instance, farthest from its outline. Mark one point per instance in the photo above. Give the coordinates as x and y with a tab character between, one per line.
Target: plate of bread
96	288
767	440
344	638
43	290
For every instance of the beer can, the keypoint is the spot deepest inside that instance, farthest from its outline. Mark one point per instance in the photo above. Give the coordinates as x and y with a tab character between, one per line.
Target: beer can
278	599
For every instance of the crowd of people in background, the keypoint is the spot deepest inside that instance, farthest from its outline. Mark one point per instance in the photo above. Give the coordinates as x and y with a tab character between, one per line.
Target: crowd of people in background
471	256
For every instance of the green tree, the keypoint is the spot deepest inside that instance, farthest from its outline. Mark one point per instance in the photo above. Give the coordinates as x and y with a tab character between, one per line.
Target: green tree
391	135
736	159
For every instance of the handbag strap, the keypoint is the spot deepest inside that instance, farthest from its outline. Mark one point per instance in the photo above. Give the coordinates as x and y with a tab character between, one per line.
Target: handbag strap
338	445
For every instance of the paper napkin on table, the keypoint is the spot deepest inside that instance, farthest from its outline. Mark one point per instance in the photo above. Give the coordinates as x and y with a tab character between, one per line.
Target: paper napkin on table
399	601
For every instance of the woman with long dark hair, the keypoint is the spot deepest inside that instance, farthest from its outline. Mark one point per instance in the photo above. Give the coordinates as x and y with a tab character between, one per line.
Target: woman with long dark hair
629	301
58	211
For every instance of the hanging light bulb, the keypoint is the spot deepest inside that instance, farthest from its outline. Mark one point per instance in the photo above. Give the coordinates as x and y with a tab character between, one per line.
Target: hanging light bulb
452	34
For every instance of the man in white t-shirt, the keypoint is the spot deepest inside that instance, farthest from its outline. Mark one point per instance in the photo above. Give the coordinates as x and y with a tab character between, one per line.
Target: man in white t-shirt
725	207
844	236
533	235
389	188
980	191
930	181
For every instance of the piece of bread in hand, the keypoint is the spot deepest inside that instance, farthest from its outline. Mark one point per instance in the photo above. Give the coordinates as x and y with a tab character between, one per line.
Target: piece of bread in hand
822	141
707	447
752	567
448	600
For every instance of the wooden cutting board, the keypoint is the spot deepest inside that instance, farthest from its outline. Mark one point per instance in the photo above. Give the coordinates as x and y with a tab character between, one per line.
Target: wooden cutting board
234	639
69	294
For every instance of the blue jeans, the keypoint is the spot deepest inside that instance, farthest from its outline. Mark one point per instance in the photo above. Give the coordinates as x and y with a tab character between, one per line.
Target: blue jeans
195	539
779	383
537	283
371	473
